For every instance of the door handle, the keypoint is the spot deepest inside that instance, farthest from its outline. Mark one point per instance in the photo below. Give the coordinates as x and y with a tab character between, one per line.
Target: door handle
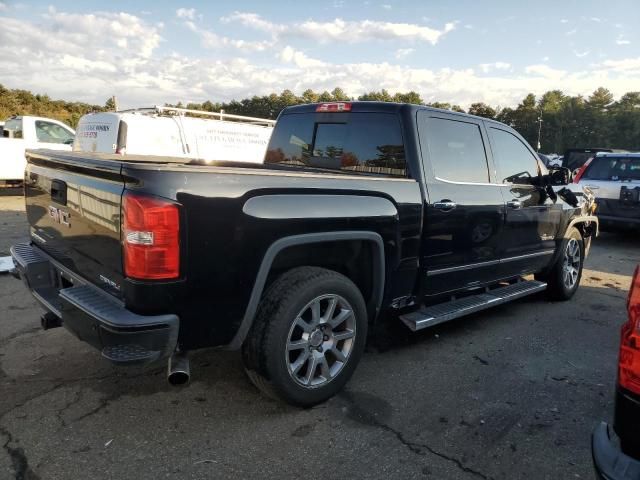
514	204
445	205
593	187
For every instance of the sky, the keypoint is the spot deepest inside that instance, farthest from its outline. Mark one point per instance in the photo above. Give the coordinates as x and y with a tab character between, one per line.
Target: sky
457	51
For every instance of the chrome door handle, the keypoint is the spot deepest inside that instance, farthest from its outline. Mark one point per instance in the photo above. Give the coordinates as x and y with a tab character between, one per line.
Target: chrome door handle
593	187
514	204
445	205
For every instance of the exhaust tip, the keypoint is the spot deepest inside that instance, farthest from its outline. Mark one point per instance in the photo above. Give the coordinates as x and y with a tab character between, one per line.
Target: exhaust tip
179	371
178	378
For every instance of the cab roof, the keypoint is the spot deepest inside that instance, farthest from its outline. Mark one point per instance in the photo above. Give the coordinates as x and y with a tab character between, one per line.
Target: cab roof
377	106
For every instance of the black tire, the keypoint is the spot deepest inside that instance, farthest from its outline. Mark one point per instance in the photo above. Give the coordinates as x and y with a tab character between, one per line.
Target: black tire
557	287
265	354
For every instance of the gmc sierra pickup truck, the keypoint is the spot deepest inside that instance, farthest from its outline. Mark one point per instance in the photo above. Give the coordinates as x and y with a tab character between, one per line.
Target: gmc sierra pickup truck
361	211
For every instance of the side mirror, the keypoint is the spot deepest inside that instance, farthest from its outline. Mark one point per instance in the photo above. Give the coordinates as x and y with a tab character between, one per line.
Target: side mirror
559	176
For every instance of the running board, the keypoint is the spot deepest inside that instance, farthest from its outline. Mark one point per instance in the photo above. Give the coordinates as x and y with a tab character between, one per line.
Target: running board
443	312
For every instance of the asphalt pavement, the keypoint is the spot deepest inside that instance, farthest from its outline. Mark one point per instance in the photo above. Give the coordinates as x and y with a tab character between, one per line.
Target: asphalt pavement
509	393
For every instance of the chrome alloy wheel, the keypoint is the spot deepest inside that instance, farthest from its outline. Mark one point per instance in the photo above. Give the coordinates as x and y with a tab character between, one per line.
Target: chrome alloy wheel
571	264
320	340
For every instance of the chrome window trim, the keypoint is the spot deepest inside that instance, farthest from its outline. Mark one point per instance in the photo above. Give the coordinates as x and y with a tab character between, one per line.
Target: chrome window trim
471	266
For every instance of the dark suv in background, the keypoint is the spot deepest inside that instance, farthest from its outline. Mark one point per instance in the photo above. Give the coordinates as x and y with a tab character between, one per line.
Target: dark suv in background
616	454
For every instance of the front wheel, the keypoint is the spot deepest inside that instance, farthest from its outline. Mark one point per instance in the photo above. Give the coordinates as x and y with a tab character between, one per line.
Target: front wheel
564	277
308	336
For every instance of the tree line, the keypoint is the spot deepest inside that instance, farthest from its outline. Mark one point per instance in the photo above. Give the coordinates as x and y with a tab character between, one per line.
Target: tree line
563	121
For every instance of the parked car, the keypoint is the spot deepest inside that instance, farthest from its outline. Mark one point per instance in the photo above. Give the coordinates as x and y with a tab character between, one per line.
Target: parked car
574	158
614	179
175	132
361	211
616	451
20	133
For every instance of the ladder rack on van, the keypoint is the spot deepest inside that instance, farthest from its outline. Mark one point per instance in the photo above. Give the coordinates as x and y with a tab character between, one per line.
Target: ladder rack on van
216	115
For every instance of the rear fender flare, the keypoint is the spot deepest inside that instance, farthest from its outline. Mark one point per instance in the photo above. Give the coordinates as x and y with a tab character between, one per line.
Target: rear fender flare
295	240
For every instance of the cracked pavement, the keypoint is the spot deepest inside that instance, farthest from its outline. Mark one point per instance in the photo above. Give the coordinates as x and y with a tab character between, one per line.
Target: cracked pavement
512	392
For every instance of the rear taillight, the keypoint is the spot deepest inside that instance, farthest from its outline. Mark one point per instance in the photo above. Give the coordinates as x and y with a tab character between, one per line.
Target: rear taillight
629	361
150	238
334	107
578	176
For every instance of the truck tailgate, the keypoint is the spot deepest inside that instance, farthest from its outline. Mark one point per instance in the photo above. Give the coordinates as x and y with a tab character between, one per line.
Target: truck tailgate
73	209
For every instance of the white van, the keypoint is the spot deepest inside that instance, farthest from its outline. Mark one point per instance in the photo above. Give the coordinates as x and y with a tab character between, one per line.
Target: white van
175	132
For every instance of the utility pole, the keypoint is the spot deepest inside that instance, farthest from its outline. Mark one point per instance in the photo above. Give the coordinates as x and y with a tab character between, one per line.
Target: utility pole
539	131
115	103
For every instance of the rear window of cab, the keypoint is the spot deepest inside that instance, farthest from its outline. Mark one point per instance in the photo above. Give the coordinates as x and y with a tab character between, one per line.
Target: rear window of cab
357	143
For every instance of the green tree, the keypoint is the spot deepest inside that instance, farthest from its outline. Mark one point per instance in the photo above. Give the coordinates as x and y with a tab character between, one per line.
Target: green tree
409	97
482	110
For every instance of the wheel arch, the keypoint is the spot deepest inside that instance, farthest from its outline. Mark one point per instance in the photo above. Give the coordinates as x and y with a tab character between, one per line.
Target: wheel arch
374	301
587	225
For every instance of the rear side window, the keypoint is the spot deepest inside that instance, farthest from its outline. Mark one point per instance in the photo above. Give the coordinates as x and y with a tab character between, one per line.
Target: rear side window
613	168
456	151
367	143
516	164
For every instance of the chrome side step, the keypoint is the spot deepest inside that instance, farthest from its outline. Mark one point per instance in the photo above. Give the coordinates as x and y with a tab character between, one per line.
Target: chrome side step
443	312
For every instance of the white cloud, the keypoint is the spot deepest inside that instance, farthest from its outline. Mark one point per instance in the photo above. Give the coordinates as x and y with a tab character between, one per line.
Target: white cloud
339	30
91	57
298	58
571	32
596	19
564	20
545	71
386	6
404	52
622	41
581	54
3	7
211	40
488	67
627	65
188	13
94	31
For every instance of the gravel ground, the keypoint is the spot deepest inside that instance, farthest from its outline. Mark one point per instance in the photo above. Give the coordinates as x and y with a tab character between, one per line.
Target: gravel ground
513	392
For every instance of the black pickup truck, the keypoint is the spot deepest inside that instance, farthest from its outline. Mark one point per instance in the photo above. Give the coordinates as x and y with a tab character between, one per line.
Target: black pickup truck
360	212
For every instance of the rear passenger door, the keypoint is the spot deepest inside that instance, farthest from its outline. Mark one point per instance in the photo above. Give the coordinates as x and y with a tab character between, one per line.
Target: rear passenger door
465	211
532	218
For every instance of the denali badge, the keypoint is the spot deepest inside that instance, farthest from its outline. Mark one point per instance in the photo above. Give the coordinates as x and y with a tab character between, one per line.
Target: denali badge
59	216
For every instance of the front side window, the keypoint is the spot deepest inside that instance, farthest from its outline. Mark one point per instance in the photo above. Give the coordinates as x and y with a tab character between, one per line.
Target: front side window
367	143
48	132
456	151
515	163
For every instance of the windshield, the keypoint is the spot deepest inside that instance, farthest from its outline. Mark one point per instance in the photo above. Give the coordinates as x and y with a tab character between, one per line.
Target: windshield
13	128
614	168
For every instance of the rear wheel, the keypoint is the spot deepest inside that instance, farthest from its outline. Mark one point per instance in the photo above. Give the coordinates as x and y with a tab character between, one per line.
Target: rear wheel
564	277
308	336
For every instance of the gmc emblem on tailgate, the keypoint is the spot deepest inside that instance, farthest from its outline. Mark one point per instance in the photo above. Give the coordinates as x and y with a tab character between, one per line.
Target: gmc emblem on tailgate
60	216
